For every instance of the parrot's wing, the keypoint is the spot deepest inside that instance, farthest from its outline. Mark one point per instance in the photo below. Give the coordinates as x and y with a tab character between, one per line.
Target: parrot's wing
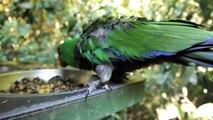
145	40
153	39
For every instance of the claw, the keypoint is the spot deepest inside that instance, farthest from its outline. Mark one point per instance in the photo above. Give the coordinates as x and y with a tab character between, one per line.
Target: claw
92	86
87	93
107	87
96	84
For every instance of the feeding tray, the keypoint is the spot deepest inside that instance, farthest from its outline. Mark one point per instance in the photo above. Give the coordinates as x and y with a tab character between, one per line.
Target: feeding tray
22	81
67	104
5	68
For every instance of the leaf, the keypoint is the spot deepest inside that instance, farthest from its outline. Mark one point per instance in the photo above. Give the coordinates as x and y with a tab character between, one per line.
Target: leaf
23	30
189	75
149	84
3	57
168	72
26	5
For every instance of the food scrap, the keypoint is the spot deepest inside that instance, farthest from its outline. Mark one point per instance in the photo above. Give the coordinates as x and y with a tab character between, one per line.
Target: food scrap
38	85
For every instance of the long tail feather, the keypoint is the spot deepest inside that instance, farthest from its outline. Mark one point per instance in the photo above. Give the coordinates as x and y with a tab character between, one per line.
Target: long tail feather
208	56
201	54
197	61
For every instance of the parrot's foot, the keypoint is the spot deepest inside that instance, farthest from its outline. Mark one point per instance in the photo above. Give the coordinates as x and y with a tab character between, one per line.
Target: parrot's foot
92	86
96	85
104	73
107	87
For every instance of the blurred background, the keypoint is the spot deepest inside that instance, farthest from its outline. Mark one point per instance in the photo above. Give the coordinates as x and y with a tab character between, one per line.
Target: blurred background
30	31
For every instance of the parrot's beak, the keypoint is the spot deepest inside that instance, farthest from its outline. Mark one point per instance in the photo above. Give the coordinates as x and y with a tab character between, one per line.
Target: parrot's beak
59	62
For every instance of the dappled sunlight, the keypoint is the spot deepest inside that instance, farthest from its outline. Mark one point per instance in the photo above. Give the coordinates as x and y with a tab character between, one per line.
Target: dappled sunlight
183	108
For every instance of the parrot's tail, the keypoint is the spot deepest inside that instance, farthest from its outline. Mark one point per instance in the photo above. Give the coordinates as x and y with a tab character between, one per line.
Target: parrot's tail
201	54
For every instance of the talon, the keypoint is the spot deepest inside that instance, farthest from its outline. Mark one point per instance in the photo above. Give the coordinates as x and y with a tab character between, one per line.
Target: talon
92	86
107	87
87	94
89	90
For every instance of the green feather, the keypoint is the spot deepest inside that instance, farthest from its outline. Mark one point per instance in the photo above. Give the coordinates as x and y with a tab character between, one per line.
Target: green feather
145	37
67	52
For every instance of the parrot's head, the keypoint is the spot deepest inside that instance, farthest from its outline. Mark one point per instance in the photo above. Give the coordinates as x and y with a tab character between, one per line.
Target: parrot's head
66	52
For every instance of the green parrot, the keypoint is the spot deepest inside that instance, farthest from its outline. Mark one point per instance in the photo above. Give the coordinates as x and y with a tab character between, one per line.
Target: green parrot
112	47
